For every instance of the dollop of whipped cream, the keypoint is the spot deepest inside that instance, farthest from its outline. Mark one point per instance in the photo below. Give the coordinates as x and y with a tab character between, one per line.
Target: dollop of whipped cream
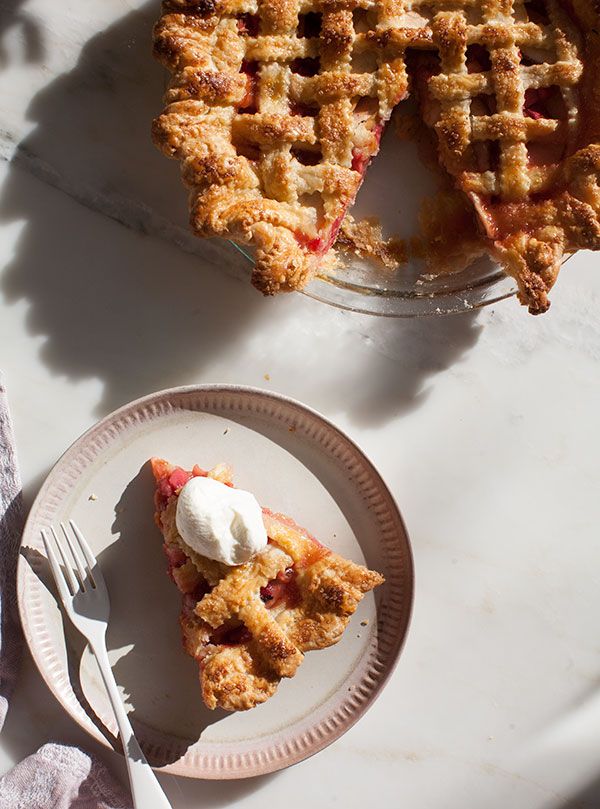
220	522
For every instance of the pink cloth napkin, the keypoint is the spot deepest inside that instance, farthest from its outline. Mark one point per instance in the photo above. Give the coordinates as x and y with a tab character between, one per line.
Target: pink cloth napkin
60	777
57	776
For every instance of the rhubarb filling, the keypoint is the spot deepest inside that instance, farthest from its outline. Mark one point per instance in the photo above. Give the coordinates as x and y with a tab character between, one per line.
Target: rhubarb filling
282	592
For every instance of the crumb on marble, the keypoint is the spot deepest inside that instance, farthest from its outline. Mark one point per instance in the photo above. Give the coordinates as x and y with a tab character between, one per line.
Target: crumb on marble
364	623
93	496
268	377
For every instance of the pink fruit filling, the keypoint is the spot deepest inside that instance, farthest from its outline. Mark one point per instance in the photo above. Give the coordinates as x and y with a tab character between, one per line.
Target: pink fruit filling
175	556
173	482
478	59
544	102
248	24
228	635
319	245
305	66
309	25
249	102
306	110
283	588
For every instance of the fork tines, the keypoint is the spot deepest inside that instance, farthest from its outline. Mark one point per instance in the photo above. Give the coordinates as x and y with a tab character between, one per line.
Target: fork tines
78	561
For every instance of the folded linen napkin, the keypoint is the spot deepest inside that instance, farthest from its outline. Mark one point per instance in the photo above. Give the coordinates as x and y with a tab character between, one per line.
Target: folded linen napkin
57	776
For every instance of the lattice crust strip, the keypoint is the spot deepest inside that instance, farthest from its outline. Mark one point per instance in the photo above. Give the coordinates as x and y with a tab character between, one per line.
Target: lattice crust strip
269	642
274	110
276	107
513	101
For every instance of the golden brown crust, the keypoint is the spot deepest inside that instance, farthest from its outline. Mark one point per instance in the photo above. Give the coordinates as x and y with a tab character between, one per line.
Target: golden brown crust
325	590
233	679
267	118
531	174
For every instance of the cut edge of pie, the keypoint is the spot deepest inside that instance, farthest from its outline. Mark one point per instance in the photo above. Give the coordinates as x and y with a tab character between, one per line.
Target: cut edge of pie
272	128
275	110
249	626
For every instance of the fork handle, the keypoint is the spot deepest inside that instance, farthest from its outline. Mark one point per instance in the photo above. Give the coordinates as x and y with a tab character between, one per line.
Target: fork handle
145	790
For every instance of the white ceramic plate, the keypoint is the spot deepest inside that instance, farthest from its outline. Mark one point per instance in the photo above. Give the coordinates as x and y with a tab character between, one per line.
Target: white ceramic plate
295	462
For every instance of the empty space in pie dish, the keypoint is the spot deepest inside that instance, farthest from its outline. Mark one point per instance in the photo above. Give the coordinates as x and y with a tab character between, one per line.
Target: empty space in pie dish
293	462
395	187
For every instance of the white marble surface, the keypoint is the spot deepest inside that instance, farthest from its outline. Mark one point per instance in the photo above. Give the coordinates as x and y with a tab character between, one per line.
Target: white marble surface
485	426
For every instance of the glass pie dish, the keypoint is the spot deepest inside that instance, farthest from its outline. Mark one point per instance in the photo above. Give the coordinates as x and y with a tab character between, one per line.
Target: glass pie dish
395	186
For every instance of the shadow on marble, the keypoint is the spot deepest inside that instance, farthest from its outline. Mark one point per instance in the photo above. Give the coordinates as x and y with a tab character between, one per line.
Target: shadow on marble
139	315
123	312
121	309
587	797
13	17
32	488
187	792
394	374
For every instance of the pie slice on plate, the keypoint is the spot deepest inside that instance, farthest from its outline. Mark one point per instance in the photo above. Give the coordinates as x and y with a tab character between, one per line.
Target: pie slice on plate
276	108
249	625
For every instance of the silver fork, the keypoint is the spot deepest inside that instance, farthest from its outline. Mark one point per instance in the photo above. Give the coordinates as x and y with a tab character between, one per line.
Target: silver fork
84	596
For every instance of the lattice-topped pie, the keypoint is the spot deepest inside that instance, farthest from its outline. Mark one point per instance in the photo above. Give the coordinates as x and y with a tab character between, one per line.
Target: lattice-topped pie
276	107
249	625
